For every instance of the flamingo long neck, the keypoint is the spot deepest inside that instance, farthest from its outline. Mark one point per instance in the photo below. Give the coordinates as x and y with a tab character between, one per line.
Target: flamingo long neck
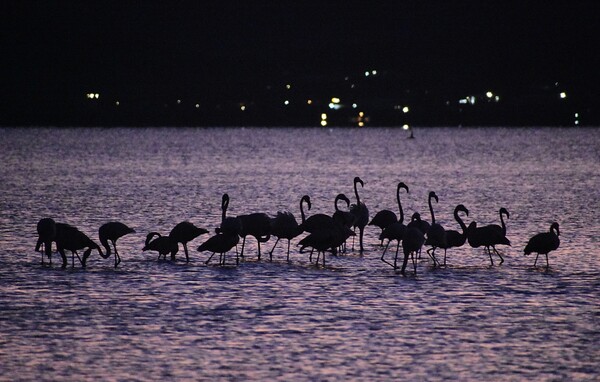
224	205
502	223
104	256
431	210
401	220
356	194
105	244
462	224
302	210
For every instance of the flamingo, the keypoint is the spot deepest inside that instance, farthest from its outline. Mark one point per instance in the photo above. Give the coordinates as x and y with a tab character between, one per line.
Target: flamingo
183	233
327	238
436	235
285	226
258	225
488	237
455	239
346	218
162	244
501	228
394	231
220	243
228	224
543	243
360	212
412	241
111	232
385	218
71	239
46	229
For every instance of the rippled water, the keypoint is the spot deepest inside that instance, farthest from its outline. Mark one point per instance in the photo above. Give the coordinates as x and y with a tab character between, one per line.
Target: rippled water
354	319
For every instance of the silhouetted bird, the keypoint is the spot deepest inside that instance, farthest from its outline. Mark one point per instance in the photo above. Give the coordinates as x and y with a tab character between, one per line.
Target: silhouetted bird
501	228
455	239
111	232
258	225
488	237
385	218
46	229
394	231
411	245
285	226
345	218
360	212
162	244
436	235
543	243
71	239
183	233
220	243
228	224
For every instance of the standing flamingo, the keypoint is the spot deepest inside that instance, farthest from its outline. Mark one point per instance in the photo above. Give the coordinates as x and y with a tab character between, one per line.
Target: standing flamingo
228	224
360	212
455	239
162	244
436	235
258	225
285	226
111	232
543	243
385	218
221	243
396	230
488	237
345	218
412	242
183	233
501	228
46	229
71	239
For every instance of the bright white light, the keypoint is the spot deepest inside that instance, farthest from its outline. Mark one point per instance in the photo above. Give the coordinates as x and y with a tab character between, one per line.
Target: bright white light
323	122
563	95
178	101
576	115
335	106
405	127
463	101
309	101
374	72
489	94
472	100
117	103
96	95
286	102
197	105
288	86
354	106
405	109
576	122
367	73
243	107
497	98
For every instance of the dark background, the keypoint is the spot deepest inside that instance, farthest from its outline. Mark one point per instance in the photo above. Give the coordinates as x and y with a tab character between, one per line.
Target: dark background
218	55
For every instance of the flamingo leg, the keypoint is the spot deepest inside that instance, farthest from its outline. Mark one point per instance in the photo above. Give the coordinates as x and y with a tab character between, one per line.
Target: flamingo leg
490	254
288	251
187	257
383	254
258	241
445	249
243	244
547	264
536	259
272	249
499	255
211	256
117	256
412	257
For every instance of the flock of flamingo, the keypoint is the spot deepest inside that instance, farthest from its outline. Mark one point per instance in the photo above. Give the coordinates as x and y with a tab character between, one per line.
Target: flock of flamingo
324	233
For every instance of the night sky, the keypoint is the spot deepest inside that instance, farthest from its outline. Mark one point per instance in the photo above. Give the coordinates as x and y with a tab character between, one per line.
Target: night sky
154	49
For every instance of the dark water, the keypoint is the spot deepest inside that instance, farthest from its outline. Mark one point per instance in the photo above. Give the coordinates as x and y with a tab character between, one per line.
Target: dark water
354	319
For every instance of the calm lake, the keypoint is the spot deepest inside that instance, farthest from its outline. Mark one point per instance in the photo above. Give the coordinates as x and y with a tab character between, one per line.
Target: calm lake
353	319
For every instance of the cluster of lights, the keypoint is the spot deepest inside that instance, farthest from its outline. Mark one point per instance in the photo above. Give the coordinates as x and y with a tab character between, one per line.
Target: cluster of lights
335	103
370	73
92	95
323	119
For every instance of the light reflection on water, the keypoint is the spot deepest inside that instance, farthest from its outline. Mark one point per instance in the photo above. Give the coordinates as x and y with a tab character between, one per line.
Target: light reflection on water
354	319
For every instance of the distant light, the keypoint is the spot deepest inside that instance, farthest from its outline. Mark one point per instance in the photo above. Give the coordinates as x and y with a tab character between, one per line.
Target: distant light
354	106
374	72
352	86
286	102
288	86
576	115
472	100
489	94
497	98
197	105
335	106
323	116
405	109
405	127
361	114
117	103
323	122
463	101
93	95
335	100
576	122
243	107
563	95
367	73
178	101
361	124
309	101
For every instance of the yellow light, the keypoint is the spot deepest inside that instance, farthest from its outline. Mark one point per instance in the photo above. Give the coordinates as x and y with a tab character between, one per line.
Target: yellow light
97	95
243	107
405	109
288	86
323	116
335	100
405	127
361	123
563	95
361	114
323	122
489	94
309	101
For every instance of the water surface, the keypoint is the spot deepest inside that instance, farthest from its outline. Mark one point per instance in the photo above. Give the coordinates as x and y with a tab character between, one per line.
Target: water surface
354	319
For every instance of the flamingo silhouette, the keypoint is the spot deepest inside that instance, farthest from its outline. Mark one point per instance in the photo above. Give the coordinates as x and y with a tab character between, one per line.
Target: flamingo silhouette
258	225
488	237
326	238
183	233
345	218
385	218
162	244
111	232
285	226
394	231
412	241
221	243
543	243
436	235
228	224
455	239
501	228
46	229
360	212
71	239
